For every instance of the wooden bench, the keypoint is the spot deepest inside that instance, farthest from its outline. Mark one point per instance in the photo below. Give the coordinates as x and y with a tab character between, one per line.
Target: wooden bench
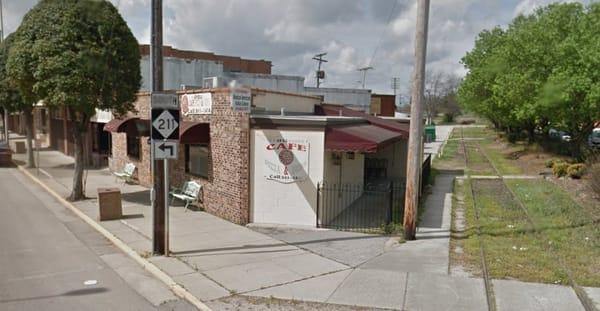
189	193
127	173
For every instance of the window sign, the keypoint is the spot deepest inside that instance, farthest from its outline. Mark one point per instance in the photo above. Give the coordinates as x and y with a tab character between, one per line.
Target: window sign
200	103
241	99
286	160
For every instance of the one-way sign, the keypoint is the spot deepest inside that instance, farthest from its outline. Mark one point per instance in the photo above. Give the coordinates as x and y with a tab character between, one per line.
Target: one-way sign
165	149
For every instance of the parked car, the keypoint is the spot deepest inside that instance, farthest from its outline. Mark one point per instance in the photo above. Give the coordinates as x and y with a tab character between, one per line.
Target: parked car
561	135
594	138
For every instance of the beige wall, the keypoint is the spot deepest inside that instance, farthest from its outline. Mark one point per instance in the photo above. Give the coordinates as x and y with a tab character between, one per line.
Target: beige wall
351	173
396	156
291	103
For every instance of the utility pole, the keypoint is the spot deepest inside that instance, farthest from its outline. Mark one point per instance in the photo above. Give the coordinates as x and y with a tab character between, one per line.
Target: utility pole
5	112
159	240
320	73
415	140
364	71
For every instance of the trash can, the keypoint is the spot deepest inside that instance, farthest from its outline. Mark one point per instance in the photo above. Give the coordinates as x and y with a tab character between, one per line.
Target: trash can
109	202
429	133
20	147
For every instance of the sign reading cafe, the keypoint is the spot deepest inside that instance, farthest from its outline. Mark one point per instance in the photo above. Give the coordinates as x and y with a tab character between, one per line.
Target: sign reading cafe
199	103
286	160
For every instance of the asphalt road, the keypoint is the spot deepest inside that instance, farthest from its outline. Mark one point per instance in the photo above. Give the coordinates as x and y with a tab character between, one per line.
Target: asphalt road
46	255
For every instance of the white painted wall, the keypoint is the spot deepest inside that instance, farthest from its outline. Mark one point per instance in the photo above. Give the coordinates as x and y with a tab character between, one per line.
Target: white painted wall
274	202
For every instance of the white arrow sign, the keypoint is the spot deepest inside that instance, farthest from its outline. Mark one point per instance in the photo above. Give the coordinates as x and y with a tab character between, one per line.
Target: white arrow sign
165	124
165	149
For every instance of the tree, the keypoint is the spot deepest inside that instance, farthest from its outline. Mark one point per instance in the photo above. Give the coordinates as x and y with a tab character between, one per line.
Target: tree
79	55
440	91
538	73
12	101
449	104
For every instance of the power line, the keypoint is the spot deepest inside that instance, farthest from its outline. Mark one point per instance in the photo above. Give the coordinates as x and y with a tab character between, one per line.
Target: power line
320	74
389	19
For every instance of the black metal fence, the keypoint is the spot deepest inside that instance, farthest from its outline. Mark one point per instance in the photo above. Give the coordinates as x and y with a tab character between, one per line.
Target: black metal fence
367	207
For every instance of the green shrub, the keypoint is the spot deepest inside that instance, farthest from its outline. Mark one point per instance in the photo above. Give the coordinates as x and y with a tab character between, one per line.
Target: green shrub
559	169
576	170
550	163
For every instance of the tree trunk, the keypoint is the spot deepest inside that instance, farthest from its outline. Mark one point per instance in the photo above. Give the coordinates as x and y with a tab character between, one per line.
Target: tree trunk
79	130
530	134
28	116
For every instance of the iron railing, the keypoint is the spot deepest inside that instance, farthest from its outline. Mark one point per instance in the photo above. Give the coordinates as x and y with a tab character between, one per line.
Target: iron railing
364	207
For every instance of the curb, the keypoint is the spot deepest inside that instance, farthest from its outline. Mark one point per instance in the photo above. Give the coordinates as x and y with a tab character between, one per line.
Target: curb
177	289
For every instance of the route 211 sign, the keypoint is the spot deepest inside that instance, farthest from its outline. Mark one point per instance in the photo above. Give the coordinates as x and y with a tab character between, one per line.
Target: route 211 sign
165	125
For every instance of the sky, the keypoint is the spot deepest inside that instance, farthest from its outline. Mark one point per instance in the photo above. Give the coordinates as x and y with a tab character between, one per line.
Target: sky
353	33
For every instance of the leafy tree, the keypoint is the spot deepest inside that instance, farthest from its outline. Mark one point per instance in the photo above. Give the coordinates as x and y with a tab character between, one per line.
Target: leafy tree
540	72
11	100
79	55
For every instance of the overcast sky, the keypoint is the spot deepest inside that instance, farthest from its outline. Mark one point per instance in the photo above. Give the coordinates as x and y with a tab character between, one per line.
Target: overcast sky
289	32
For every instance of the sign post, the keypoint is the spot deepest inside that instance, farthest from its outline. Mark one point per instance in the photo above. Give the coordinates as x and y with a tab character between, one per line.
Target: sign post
165	143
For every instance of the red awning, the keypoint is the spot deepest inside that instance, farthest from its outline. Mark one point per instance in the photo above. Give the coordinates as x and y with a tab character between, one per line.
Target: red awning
359	138
337	110
132	126
194	133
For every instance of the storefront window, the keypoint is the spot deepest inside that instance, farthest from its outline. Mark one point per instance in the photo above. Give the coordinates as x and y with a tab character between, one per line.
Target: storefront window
196	160
133	146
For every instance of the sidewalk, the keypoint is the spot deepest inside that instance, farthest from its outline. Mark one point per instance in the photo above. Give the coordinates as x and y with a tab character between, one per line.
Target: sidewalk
213	258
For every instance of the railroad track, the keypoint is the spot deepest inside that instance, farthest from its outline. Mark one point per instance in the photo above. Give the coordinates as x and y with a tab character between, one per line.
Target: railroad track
489	287
579	291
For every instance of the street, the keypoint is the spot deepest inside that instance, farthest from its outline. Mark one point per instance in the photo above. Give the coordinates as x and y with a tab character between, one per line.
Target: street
47	255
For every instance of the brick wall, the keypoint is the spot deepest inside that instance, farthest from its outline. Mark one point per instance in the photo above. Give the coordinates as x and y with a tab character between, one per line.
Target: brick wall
225	191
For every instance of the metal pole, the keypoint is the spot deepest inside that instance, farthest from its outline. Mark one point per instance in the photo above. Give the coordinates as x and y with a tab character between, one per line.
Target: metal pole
415	147
166	196
158	212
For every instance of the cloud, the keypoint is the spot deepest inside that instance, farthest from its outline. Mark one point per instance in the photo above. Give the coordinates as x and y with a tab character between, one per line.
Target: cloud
290	33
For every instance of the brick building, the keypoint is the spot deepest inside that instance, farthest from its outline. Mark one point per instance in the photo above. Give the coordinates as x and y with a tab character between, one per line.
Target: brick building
233	154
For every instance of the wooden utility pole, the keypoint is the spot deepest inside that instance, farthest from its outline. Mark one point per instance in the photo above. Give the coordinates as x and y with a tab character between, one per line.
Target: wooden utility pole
158	192
320	74
415	145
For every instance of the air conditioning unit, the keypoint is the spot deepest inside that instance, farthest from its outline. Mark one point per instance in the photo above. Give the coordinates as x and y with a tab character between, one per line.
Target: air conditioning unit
213	82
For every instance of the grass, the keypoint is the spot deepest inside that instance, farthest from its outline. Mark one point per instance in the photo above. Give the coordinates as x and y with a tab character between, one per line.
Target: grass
564	235
567	227
450	150
504	165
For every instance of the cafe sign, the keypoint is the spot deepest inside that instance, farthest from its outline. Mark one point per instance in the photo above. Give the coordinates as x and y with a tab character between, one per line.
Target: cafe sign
286	160
199	103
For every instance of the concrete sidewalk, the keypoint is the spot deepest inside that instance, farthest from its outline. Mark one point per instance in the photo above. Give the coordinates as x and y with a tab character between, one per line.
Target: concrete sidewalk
213	258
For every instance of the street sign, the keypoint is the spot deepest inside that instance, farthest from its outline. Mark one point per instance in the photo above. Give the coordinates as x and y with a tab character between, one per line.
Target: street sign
165	149
165	101
165	123
165	116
